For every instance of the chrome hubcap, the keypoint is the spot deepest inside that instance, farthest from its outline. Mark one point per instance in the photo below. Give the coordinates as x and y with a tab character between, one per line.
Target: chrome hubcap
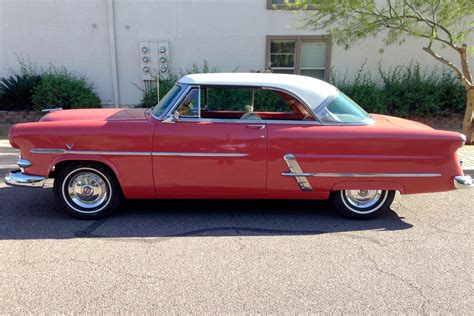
88	190
363	199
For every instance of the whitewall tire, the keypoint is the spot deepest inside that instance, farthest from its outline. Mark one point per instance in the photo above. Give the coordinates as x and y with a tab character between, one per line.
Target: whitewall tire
87	190
362	204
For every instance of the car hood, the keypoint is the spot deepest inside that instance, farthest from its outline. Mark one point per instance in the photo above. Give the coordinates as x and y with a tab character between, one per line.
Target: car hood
396	122
96	115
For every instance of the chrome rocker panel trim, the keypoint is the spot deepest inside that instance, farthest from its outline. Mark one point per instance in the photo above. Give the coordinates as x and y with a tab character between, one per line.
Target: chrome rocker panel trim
18	179
463	182
362	175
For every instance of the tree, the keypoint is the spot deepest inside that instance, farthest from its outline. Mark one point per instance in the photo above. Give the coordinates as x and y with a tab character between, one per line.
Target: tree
440	23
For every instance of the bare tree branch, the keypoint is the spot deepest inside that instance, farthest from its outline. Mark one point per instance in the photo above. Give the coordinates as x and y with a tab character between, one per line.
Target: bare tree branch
465	63
467	83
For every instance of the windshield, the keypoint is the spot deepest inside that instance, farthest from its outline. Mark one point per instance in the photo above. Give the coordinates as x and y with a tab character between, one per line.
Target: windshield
342	110
167	99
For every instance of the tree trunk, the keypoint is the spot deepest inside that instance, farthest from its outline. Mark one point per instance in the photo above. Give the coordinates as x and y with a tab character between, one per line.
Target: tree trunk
468	124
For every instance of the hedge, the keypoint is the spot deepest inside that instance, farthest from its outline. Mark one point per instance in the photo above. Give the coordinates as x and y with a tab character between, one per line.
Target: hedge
406	91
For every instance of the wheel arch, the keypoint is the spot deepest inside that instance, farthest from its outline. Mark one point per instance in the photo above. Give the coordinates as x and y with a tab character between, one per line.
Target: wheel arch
368	185
60	163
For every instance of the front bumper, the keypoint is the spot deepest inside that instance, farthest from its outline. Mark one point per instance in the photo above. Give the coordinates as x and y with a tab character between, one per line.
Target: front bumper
463	182
19	179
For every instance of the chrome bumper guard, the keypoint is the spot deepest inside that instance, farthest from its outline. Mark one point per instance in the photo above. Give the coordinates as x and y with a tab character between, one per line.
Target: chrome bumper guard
463	182
18	179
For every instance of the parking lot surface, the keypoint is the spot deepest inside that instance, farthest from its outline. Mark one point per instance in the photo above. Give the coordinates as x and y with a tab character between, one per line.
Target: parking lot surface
236	257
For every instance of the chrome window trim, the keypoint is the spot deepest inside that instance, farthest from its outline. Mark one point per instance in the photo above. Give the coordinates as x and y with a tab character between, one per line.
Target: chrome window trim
323	104
133	153
294	122
212	120
209	120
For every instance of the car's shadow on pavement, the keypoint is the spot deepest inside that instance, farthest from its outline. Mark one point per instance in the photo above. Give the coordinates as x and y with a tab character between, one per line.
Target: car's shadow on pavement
32	214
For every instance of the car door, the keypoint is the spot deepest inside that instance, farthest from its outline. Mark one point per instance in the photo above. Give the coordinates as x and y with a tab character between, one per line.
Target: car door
196	157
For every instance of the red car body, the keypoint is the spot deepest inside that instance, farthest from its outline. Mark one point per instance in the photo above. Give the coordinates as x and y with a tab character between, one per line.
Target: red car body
395	146
214	159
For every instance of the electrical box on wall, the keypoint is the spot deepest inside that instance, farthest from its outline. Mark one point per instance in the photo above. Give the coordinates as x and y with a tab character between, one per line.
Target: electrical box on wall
154	59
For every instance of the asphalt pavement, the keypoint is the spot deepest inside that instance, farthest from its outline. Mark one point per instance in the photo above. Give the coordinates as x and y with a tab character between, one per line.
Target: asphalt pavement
236	257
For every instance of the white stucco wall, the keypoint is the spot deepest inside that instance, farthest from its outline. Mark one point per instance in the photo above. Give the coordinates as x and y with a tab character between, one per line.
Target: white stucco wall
227	33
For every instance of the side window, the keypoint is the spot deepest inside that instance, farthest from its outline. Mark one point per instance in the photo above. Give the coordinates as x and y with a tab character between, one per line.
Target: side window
269	101
250	102
189	107
225	99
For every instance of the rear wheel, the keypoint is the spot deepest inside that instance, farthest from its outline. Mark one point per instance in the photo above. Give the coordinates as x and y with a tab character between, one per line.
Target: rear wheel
362	204
87	191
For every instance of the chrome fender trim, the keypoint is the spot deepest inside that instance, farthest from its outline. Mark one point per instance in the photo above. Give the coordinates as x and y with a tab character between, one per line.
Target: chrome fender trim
59	151
297	172
302	180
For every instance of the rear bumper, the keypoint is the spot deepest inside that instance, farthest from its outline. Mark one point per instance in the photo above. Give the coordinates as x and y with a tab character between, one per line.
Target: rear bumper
463	182
19	179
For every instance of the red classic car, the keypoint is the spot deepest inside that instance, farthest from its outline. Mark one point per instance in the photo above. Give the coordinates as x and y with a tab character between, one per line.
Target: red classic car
236	136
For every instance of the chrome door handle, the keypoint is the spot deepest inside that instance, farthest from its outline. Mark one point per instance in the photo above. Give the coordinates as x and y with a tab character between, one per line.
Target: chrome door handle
256	126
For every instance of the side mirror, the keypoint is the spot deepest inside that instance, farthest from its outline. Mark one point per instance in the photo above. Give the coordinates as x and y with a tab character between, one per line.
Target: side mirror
176	116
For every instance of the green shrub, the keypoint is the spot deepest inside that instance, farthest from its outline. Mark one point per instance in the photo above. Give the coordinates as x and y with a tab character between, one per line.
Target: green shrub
406	91
62	89
16	92
32	87
149	97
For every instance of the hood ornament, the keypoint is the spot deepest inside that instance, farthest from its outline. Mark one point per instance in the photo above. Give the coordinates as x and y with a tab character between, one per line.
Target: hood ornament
51	110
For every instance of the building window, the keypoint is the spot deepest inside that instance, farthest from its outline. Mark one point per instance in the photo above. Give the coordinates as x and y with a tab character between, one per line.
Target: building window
282	5
301	55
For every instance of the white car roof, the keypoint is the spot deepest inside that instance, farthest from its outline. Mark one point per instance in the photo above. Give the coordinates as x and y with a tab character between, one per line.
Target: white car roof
310	90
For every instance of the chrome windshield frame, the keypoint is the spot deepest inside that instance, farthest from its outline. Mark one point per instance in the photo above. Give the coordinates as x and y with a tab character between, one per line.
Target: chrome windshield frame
171	105
177	101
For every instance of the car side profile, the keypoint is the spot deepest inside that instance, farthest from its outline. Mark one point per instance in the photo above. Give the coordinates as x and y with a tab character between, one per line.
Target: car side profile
236	136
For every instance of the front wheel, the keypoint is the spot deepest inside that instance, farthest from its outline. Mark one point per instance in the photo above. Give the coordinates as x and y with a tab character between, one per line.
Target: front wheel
87	191
362	204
